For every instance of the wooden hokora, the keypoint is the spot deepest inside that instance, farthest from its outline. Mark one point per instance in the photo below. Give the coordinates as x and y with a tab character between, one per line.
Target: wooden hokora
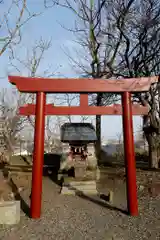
81	138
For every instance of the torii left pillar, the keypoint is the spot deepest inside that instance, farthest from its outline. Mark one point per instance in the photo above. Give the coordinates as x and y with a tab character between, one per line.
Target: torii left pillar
38	157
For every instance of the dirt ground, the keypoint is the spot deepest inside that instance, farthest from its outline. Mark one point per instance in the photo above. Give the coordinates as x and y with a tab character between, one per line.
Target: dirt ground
73	217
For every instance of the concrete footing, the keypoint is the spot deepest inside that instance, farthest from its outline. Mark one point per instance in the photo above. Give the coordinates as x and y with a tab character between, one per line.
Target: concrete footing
9	212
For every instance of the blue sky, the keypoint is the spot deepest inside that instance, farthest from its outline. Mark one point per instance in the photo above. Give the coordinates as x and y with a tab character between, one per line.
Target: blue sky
48	26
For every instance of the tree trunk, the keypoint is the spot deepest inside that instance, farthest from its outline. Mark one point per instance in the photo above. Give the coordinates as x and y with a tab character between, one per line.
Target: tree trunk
98	132
153	152
98	129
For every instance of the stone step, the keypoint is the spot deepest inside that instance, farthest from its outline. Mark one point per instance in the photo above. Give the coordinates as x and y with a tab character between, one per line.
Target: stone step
85	187
83	183
81	188
67	191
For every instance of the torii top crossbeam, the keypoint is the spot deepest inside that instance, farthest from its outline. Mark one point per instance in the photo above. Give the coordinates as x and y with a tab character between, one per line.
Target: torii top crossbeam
58	85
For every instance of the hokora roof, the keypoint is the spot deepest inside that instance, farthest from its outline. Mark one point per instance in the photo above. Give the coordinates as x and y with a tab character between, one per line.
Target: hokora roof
81	132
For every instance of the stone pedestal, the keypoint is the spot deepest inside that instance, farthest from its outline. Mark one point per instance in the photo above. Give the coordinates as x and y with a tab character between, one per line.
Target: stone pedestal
86	173
88	168
82	183
9	212
80	169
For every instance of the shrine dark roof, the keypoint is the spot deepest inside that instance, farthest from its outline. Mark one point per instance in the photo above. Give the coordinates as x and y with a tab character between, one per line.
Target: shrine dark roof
81	132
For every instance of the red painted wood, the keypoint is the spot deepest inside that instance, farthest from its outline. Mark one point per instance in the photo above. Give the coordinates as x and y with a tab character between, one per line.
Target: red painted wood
129	155
84	100
81	110
56	85
38	156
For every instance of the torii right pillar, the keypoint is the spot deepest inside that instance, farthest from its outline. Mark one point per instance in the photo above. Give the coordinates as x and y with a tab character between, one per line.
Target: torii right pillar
129	154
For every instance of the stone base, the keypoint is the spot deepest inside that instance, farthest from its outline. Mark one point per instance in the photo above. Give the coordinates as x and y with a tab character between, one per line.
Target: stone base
80	171
79	187
93	175
9	212
89	175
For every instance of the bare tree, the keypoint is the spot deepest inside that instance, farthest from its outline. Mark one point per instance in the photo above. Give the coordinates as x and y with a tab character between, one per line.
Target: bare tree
33	65
140	56
119	148
121	39
14	15
34	60
10	100
99	46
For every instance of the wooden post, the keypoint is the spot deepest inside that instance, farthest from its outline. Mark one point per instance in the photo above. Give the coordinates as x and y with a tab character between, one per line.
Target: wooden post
129	155
37	171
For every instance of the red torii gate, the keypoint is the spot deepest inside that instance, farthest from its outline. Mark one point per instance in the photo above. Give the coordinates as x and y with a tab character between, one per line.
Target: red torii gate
41	86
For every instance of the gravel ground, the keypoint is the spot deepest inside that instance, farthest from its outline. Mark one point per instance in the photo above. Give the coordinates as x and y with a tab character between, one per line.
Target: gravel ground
72	217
